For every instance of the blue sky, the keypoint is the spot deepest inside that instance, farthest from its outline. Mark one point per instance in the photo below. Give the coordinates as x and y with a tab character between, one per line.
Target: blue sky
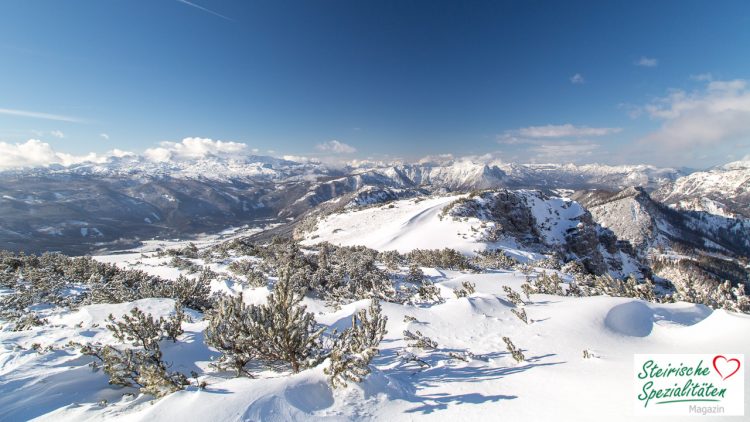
546	81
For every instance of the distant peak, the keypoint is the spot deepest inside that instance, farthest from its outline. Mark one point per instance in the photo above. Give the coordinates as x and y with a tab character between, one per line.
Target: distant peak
737	165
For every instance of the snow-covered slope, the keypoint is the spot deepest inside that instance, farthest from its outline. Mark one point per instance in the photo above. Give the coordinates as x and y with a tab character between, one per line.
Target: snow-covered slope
526	224
554	383
401	225
634	216
724	190
682	246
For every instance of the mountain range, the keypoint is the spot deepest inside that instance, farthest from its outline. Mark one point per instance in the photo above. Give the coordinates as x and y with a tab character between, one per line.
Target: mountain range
92	207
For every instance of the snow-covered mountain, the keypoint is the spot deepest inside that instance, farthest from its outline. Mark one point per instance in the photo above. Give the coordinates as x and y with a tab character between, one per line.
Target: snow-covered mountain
720	246
122	199
724	190
524	224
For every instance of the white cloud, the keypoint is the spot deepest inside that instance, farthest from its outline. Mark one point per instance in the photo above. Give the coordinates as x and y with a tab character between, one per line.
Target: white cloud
577	79
563	151
35	153
193	148
38	115
336	147
118	153
104	136
647	62
565	131
300	159
717	115
437	159
57	134
553	143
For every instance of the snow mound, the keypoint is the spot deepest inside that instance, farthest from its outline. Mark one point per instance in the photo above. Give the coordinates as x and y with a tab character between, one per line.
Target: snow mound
638	318
631	319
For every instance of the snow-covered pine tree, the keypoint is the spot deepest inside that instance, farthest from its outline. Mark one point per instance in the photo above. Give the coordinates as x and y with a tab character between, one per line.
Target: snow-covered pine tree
231	330
292	334
141	366
415	275
277	331
513	350
513	296
356	346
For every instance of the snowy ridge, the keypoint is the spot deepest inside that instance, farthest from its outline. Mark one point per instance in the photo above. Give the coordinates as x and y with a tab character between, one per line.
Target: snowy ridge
525	224
725	189
634	216
129	197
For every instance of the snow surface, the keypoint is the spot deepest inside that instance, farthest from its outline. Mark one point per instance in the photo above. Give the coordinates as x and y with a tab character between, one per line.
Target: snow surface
555	383
410	224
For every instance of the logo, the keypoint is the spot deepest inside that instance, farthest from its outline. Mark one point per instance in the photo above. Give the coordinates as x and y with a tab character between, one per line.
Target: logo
689	384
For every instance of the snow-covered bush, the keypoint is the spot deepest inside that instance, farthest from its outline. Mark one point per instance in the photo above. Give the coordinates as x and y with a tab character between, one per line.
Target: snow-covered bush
513	350
721	296
238	247
415	274
494	259
419	340
194	293
513	296
189	251
521	315
608	285
248	269
346	274
355	347
183	264
550	263
140	365
439	258
143	369
428	292
231	330
292	334
391	259
20	321
143	330
279	331
467	288
128	286
544	283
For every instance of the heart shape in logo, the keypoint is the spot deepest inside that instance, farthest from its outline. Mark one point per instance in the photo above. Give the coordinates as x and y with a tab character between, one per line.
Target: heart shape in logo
727	365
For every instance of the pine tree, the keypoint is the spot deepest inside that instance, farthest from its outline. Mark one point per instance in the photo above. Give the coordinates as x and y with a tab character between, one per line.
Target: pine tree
291	333
231	330
356	346
513	350
415	275
141	366
278	331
